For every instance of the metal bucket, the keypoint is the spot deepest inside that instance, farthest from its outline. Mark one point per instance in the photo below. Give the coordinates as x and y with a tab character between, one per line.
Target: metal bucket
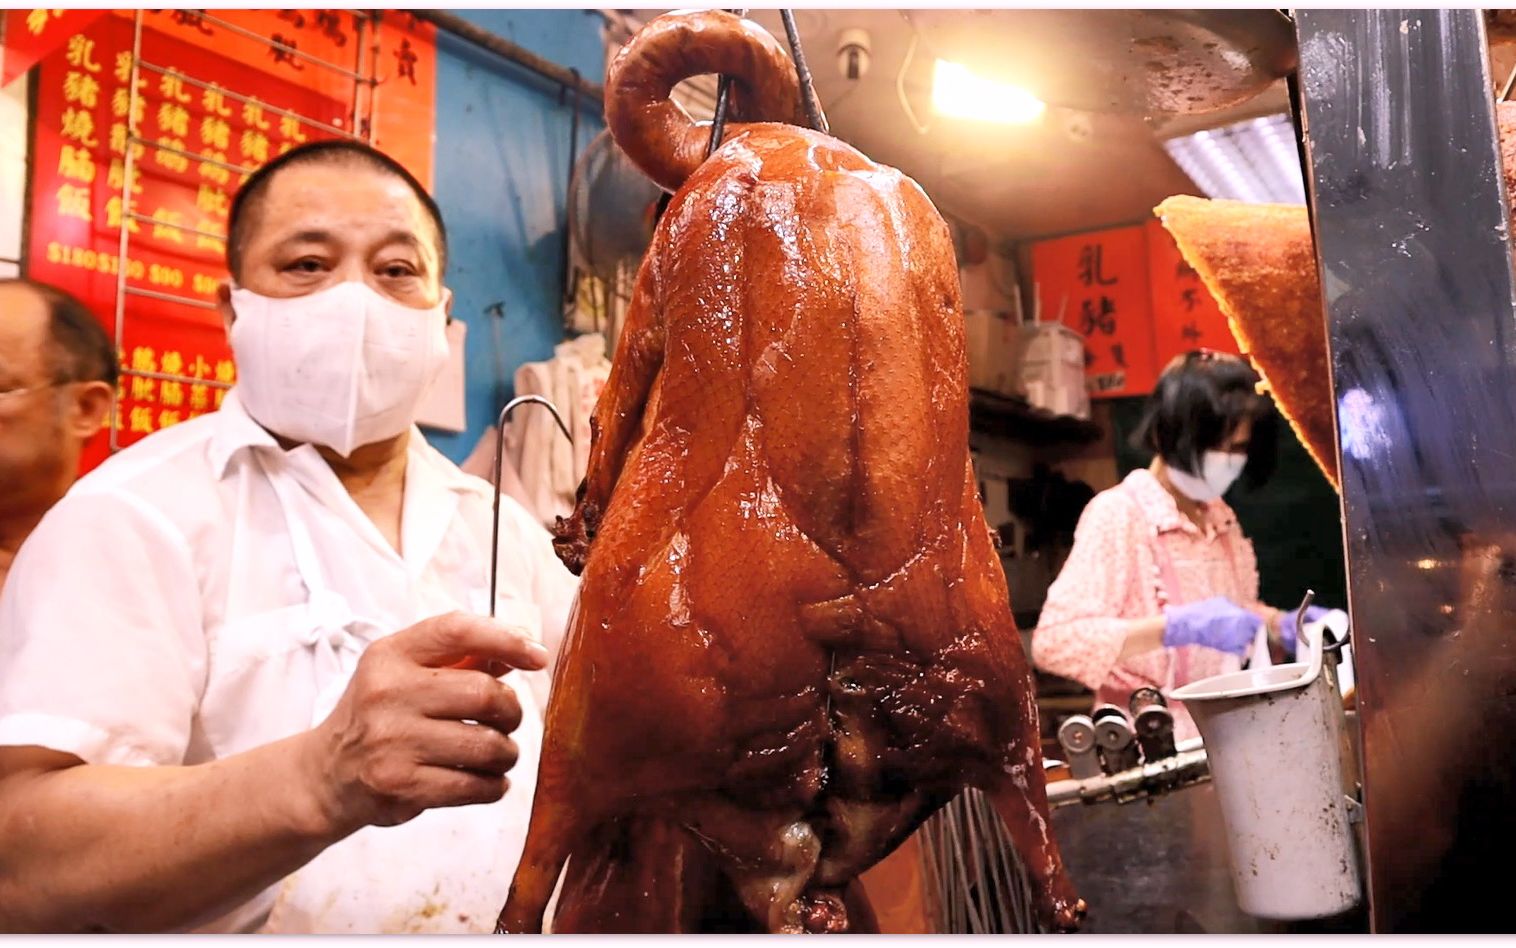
1273	737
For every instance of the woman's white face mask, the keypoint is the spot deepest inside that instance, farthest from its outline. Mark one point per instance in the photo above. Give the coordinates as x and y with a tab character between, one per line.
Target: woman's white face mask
1219	470
343	368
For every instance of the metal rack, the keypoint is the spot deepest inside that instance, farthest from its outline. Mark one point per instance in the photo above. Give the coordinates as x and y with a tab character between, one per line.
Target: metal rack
363	74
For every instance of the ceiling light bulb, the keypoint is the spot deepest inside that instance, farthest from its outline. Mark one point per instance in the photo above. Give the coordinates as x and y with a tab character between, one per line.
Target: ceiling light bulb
958	93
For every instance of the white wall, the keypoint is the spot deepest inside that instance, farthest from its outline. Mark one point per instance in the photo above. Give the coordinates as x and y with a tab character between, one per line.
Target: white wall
12	172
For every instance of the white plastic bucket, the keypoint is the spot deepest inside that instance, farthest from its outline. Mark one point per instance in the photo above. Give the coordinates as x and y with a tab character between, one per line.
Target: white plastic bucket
1272	737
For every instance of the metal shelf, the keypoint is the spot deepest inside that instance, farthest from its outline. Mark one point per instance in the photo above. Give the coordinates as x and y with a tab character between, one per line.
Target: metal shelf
1017	419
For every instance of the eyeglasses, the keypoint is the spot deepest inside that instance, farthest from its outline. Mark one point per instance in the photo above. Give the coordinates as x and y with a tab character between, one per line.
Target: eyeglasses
12	393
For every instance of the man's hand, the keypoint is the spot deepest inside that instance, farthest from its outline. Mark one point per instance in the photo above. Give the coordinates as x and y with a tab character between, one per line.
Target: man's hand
399	740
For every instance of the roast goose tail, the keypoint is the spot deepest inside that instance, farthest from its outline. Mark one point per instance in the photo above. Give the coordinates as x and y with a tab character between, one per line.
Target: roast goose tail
652	129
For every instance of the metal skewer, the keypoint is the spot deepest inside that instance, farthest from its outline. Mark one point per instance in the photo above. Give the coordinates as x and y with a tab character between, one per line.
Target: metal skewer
813	113
505	415
815	117
723	93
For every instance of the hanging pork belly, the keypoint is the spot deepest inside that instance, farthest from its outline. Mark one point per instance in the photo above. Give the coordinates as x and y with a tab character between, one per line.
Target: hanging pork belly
793	641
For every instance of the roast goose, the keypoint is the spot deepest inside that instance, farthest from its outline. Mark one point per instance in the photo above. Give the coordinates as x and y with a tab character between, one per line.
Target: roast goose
793	641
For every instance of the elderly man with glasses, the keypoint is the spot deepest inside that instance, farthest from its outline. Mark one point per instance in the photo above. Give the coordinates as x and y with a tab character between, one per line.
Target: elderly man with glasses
57	372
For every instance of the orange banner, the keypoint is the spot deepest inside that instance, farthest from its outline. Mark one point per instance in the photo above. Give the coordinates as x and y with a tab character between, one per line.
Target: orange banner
32	34
212	103
1099	283
405	97
1185	315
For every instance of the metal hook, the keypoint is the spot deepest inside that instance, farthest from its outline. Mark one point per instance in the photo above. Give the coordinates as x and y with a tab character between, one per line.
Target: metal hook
723	91
1331	643
813	113
718	121
505	415
812	105
1310	597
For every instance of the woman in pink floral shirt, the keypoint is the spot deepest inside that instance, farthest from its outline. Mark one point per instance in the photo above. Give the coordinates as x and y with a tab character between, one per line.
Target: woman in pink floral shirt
1161	587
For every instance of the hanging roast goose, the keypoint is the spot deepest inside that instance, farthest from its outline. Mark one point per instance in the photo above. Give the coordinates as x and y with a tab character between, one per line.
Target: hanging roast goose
792	642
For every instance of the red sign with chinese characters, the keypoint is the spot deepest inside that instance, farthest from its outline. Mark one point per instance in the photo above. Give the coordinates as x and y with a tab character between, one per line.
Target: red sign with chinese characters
212	104
1098	282
32	34
1185	315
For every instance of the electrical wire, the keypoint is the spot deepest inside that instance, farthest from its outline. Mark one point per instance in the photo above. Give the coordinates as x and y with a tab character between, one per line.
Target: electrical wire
905	103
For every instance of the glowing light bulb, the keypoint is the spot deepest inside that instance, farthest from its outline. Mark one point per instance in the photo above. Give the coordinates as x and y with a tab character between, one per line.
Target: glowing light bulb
958	93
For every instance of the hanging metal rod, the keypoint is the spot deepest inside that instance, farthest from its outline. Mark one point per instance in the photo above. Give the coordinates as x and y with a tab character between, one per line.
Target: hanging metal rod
505	49
723	91
173	377
808	99
153	143
284	48
169	298
182	228
245	100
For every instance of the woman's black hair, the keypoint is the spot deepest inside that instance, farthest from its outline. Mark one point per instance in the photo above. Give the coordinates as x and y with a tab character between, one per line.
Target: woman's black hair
1201	398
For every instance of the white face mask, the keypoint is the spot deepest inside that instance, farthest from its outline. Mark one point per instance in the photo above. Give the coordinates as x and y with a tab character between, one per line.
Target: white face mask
1219	471
343	367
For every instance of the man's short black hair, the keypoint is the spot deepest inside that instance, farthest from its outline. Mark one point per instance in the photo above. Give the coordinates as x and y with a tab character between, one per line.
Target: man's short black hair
79	349
1200	399
248	202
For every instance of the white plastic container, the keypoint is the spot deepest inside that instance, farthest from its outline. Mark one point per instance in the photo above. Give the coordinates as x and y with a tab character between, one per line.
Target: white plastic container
1052	369
1273	737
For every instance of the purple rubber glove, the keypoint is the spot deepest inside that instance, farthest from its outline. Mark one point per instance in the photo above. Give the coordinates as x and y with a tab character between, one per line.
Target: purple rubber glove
1288	634
1216	623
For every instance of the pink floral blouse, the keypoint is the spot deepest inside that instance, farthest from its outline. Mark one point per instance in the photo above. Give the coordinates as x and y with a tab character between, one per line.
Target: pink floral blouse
1113	575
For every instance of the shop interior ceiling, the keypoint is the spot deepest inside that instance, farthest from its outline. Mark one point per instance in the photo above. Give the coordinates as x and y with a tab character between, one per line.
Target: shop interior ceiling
1070	171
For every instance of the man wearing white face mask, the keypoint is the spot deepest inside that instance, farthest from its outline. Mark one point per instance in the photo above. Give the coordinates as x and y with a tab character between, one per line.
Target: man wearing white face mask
246	683
1161	586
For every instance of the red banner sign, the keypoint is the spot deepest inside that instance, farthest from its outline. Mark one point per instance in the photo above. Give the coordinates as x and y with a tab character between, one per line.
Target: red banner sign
32	34
1098	282
1185	315
212	103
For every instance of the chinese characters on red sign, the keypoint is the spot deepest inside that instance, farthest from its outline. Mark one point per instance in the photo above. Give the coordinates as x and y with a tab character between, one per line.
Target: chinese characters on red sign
1135	301
32	34
1185	315
207	111
1097	284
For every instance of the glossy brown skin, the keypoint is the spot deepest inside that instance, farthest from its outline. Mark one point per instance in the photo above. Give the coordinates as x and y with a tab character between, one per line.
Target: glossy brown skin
792	642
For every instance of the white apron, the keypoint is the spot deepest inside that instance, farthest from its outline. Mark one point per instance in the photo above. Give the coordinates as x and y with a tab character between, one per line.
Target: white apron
449	869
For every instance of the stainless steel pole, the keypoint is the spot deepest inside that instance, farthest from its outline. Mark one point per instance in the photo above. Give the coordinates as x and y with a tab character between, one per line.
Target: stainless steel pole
1410	217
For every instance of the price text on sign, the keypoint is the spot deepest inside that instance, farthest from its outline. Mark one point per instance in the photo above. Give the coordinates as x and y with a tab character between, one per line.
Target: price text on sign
1185	315
217	114
1100	283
